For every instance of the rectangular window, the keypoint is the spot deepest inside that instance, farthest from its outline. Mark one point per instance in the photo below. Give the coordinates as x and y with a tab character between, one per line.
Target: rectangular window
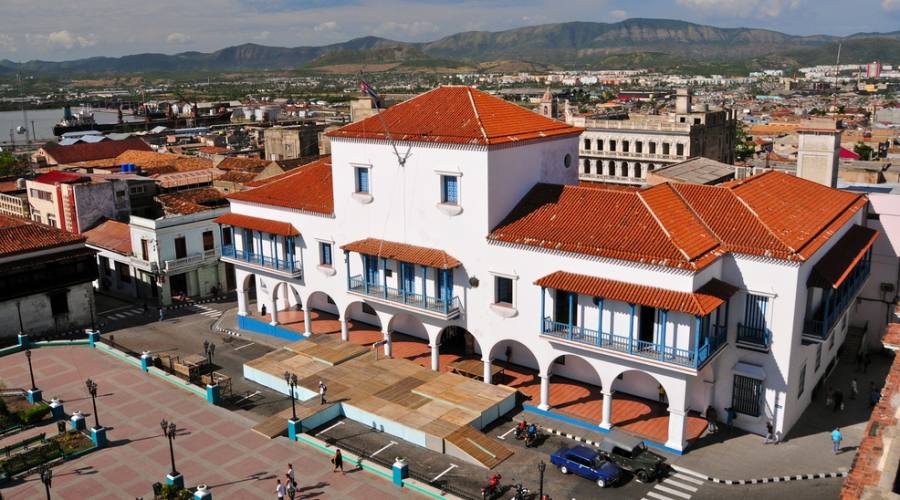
371	264
679	149
665	148
180	248
59	303
441	283
208	241
587	144
503	290
325	253
124	272
754	328
137	189
51	221
625	146
449	189
145	252
802	379
746	395
653	148
599	144
104	266
612	145
226	236
362	180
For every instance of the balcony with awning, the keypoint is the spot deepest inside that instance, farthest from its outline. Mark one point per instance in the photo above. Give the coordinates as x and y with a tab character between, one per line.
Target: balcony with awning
410	277
836	280
684	329
260	243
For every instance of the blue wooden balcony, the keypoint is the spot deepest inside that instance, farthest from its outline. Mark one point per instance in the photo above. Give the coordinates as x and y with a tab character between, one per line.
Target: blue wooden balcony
819	325
695	358
398	296
292	267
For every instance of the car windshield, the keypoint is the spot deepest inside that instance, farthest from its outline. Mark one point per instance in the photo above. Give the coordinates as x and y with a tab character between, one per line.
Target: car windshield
639	448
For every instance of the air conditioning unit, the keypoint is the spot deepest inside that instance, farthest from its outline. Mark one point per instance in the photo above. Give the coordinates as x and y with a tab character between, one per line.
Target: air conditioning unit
887	288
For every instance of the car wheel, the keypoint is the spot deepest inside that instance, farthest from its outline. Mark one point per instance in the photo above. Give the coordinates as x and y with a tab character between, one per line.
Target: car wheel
642	476
564	469
601	483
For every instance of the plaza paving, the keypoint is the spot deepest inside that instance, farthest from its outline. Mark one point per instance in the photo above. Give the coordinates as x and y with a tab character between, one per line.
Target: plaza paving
214	446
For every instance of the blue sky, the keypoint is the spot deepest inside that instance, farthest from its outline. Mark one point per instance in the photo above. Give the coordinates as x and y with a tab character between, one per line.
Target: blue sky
54	30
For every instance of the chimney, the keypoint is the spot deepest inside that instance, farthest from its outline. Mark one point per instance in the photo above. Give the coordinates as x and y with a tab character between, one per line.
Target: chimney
818	154
683	100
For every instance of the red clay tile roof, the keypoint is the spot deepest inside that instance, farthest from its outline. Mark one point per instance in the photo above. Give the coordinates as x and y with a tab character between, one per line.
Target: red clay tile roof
248	164
430	257
834	267
683	225
700	303
258	224
61	177
238	176
94	151
456	115
306	188
22	236
192	201
111	235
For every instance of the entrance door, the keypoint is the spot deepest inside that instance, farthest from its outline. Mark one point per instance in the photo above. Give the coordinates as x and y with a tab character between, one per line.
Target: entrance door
647	323
561	307
178	284
371	264
409	277
230	281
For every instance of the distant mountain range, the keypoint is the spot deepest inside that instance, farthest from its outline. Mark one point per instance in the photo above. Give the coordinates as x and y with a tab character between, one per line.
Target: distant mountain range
654	43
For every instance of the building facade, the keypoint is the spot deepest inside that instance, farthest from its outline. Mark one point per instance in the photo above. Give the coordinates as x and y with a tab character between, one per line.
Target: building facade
475	223
622	149
285	143
76	202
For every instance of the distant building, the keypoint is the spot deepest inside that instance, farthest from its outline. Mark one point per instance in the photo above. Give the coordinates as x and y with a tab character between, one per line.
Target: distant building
54	154
548	106
286	143
76	202
14	198
112	241
694	171
45	279
873	69
623	149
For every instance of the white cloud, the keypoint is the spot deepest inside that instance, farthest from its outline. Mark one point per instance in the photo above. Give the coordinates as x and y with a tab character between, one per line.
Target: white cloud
326	26
618	14
178	38
62	40
412	29
890	4
6	43
263	35
744	8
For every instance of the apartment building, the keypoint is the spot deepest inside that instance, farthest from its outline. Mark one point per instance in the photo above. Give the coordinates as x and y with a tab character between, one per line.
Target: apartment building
467	219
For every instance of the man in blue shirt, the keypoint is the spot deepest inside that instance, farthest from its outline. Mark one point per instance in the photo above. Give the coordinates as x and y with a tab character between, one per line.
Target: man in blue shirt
836	437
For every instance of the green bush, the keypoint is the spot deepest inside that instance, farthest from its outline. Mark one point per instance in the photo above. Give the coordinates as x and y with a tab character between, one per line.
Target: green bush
176	492
34	414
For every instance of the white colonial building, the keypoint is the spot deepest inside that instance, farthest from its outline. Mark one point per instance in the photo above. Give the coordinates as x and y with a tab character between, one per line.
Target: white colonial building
466	214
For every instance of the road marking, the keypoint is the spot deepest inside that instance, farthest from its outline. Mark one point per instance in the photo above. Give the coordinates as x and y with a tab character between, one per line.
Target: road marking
685	477
392	443
323	431
117	316
683	486
452	466
507	433
246	397
245	345
657	495
688	472
672	492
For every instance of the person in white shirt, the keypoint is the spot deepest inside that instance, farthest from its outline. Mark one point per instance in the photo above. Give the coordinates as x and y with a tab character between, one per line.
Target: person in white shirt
291	475
279	490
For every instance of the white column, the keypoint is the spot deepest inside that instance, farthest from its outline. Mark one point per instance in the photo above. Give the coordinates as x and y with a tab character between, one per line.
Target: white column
387	344
242	302
676	429
273	310
435	357
488	371
307	320
345	333
606	423
545	393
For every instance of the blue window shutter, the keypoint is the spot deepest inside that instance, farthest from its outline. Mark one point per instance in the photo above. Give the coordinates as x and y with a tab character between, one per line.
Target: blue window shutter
450	189
362	179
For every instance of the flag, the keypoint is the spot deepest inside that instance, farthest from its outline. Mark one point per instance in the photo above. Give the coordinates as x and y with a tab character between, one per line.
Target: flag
365	88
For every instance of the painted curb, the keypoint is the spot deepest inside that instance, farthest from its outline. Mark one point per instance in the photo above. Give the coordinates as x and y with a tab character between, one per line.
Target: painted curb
195	302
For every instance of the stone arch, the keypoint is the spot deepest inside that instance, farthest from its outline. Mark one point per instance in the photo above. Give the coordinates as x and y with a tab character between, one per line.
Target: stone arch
286	297
646	385
517	354
458	340
362	311
408	324
248	286
574	367
321	301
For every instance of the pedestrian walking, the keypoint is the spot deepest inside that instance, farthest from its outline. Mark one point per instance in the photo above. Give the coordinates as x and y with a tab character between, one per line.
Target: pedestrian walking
291	491
770	433
279	489
836	437
874	395
712	425
162	313
263	310
854	388
662	394
291	475
322	390
838	400
338	461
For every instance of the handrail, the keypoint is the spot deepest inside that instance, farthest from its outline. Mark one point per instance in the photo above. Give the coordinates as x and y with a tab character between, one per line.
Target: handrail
292	266
401	296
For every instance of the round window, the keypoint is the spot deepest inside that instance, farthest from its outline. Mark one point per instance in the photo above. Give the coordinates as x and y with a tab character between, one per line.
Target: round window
567	160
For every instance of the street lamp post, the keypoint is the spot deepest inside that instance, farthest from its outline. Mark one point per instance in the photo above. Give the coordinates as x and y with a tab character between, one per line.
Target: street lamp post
541	468
291	380
30	370
92	389
169	429
46	478
209	348
34	394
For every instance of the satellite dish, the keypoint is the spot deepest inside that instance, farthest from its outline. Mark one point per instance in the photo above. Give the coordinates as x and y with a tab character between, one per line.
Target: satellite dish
20	130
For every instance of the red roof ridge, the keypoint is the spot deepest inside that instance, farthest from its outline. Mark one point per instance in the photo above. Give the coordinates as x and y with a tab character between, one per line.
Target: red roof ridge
661	225
477	116
761	221
675	239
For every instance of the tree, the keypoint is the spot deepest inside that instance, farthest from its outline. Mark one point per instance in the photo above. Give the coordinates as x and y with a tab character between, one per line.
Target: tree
10	165
743	147
863	150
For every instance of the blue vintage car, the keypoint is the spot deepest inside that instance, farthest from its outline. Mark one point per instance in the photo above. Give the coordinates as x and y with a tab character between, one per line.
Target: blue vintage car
587	463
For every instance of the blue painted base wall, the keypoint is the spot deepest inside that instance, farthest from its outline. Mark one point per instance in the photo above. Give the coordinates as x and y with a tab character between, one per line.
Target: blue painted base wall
255	325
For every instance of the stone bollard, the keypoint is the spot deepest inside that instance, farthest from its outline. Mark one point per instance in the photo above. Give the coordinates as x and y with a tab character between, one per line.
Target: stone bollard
34	396
202	493
93	337
98	436
401	470
295	428
176	480
56	409
24	342
146	359
213	394
77	420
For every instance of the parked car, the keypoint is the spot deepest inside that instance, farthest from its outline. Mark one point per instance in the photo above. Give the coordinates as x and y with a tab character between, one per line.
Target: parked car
631	454
587	463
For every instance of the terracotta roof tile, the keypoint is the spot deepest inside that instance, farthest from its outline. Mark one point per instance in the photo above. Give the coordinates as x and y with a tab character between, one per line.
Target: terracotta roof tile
306	188
430	257
248	164
192	201
682	225
151	162
83	151
258	224
834	267
57	176
458	115
111	235
237	176
21	236
700	303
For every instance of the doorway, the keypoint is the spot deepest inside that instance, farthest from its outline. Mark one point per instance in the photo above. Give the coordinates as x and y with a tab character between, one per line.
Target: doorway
647	324
561	307
178	284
